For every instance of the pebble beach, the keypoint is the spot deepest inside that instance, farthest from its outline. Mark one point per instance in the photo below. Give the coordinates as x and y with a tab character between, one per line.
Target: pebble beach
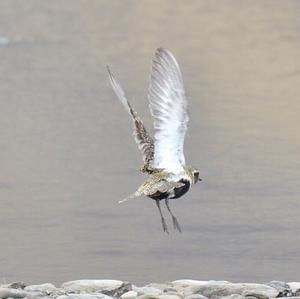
178	289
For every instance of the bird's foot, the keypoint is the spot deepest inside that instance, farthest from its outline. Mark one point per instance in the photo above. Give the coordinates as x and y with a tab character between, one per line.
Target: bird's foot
176	224
164	225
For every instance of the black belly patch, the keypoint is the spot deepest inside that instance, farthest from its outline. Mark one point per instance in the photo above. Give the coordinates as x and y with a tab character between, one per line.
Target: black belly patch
159	195
178	192
183	189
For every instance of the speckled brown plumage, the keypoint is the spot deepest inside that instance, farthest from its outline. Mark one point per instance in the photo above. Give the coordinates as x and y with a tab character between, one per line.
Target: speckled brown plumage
163	157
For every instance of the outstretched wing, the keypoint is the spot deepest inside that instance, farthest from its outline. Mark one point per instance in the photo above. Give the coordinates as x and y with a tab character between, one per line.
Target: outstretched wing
142	138
168	106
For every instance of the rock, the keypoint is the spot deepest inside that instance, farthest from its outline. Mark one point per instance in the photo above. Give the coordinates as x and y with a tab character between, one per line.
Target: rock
147	297
160	286
14	285
258	290
282	287
214	289
295	287
188	282
91	286
84	296
255	295
178	289
169	290
117	293
46	288
169	296
129	295
234	296
12	293
195	296
188	287
17	285
147	291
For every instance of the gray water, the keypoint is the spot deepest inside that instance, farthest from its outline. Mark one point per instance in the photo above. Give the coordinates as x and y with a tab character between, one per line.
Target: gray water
67	152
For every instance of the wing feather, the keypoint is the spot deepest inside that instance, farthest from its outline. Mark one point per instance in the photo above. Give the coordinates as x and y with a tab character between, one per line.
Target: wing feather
168	107
142	138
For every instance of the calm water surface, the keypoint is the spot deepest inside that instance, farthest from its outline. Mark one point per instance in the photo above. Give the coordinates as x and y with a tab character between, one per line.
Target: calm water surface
67	153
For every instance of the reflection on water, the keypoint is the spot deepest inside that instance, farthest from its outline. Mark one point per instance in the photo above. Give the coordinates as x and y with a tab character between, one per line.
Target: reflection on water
68	155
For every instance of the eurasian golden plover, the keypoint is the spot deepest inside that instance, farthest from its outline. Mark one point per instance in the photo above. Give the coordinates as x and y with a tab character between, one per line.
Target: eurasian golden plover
163	158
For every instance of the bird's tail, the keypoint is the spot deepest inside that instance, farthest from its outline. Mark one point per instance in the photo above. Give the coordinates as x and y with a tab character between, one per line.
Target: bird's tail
136	194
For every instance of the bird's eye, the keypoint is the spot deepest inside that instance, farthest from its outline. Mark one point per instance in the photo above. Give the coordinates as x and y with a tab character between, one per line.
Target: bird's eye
196	176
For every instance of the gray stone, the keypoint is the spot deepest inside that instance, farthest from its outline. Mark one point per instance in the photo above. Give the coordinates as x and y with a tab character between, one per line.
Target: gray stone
170	290
282	287
37	295
12	293
90	286
188	287
258	290
17	285
217	289
295	287
146	296
147	291
84	296
187	283
234	296
160	286
195	296
46	288
116	293
256	295
129	295
169	296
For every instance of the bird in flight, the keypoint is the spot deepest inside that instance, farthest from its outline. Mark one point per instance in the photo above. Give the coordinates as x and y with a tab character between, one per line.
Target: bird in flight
163	157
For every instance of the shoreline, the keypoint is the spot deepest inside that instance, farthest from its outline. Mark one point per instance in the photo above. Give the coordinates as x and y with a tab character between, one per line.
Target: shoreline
178	289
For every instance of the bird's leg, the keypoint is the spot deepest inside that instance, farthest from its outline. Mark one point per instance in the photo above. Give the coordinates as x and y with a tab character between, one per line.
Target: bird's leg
163	221
175	221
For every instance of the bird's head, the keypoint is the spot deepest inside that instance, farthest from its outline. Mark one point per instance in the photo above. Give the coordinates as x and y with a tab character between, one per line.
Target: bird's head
196	177
194	174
